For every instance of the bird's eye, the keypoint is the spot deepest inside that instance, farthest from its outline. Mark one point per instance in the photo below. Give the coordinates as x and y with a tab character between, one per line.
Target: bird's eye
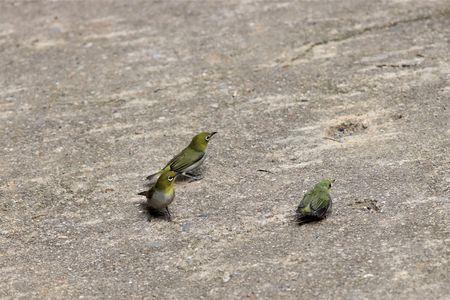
170	178
207	138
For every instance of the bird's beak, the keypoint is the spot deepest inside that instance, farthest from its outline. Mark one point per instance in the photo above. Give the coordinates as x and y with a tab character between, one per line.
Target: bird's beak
212	133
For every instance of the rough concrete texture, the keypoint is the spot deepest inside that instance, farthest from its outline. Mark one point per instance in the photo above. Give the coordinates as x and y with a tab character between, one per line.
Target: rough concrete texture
95	95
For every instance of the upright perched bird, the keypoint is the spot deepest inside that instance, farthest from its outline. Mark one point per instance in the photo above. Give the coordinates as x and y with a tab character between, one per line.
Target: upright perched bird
162	193
190	158
316	203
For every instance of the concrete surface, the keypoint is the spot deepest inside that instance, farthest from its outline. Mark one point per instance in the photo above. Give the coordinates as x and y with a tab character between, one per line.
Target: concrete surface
94	95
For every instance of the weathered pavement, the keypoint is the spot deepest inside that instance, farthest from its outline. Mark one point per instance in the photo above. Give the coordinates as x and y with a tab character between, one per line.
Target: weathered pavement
95	95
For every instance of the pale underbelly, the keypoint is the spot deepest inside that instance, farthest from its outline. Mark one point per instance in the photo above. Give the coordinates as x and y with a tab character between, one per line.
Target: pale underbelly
160	200
195	165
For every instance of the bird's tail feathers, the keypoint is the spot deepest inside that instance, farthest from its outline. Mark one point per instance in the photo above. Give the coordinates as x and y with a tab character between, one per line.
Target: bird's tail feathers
144	193
302	219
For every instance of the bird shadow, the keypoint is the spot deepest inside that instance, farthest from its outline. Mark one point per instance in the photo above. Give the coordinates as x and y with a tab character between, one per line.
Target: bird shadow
152	213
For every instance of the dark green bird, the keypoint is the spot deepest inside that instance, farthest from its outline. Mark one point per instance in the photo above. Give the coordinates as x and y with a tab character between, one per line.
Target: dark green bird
316	203
190	158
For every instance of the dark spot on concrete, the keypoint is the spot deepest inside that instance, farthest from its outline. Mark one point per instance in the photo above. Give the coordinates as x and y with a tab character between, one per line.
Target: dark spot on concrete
397	116
185	227
203	215
366	204
265	171
153	245
346	128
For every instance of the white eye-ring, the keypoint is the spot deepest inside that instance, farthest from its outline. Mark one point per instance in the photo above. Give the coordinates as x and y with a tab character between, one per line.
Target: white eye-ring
170	178
207	137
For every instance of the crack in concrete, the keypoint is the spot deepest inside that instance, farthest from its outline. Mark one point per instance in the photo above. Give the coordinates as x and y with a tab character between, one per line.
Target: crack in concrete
396	65
356	33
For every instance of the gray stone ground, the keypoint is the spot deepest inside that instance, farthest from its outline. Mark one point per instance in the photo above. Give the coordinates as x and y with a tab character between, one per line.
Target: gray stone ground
94	95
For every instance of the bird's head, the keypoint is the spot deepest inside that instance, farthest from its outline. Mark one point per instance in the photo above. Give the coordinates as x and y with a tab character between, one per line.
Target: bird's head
166	180
326	183
201	140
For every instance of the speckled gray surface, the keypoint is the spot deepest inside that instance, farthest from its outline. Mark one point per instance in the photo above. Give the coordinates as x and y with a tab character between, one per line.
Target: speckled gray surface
96	95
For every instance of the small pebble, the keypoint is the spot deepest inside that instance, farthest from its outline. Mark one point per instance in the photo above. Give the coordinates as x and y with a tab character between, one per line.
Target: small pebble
226	277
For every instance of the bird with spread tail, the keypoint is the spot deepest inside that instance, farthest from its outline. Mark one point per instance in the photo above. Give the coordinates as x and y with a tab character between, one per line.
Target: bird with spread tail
161	195
316	203
190	158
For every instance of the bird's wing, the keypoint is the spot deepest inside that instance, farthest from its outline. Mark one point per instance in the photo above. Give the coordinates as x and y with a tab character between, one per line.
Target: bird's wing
321	203
307	199
148	193
184	159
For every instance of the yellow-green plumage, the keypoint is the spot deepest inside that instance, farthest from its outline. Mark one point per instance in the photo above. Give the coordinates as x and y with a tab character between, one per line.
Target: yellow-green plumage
190	157
162	193
316	203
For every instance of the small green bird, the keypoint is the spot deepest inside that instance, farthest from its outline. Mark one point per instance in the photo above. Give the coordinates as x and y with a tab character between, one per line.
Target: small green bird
190	158
316	203
162	193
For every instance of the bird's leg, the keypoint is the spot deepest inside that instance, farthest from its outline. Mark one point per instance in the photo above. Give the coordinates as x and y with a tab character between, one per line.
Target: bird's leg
168	213
192	176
